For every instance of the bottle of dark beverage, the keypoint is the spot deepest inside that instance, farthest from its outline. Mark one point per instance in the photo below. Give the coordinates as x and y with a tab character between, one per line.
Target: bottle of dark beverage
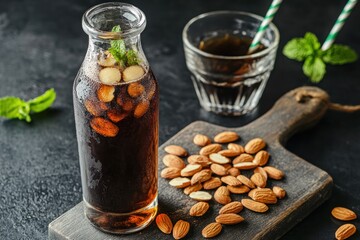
116	113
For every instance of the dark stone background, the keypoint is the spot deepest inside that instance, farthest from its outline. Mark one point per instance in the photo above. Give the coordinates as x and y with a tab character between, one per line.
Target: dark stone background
42	46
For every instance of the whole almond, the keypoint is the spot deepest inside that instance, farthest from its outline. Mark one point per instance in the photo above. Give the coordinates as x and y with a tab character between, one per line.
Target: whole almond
254	145
176	150
261	158
238	190
211	230
245	165
180	182
201	176
234	172
254	206
199	159
212	183
263	195
236	147
201	140
233	207
227	166
274	173
199	209
261	171
222	195
164	223
229	218
170	172
200	196
173	161
231	180
218	169
190	170
219	159
246	181
279	192
345	231
209	149
226	137
181	229
228	153
343	214
244	157
258	180
193	188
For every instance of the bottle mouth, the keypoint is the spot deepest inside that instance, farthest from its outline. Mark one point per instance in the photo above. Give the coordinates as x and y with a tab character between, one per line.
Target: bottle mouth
99	20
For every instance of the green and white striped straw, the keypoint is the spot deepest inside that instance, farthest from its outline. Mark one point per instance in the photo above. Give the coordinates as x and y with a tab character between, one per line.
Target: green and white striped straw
338	24
264	25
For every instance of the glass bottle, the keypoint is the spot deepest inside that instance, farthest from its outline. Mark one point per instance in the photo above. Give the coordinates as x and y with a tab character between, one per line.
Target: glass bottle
116	113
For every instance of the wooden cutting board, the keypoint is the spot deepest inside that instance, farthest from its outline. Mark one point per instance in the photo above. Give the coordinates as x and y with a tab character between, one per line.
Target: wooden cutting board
307	186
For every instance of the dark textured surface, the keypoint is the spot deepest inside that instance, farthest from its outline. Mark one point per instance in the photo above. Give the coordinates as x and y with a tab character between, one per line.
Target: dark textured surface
42	46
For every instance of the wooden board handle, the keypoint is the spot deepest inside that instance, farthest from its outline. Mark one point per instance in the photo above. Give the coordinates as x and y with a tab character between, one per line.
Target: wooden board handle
289	115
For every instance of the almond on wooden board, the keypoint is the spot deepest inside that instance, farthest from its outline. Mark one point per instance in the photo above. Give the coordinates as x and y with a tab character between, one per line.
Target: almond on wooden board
263	195
279	192
258	180
170	173
254	145
173	161
199	209
274	173
244	157
190	170
181	229
254	206
261	171
222	195
201	176
212	183
211	230
209	149
193	188
201	140
261	158
164	223
234	172
201	196
228	153
226	137
343	214
199	159
176	150
233	207
245	165
218	169
180	182
219	159
246	181
229	218
231	180
238	190
345	231
236	147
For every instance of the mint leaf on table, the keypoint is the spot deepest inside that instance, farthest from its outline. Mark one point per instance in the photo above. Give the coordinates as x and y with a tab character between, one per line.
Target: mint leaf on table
13	107
307	49
339	54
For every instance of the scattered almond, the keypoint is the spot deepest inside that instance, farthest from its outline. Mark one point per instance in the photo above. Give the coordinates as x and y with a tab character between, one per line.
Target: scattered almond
212	183
199	209
345	231
222	195
133	73
244	157
181	229
218	169
274	173
226	137
199	159
209	149
201	140
261	171
170	173
236	147
233	207
104	127
234	172
201	196
164	223
229	218
279	192
193	188
258	180
238	190
254	145
254	206
228	153
231	180
343	214
211	230
173	161
180	182
219	159
109	75
263	195
246	181
261	158
190	170
201	176
176	150
245	165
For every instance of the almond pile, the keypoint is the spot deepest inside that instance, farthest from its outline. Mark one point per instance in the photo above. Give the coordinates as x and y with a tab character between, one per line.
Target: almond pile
346	230
216	172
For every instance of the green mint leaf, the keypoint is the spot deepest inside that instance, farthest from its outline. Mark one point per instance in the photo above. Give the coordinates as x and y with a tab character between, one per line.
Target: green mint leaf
43	101
314	68
116	28
312	40
118	48
339	54
132	58
13	107
298	49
